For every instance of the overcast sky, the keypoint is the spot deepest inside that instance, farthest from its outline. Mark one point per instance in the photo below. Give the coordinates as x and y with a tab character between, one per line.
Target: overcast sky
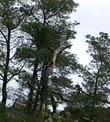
94	17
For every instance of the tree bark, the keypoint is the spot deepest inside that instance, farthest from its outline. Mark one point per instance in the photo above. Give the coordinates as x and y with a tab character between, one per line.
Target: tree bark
32	86
54	104
35	103
5	77
94	100
44	88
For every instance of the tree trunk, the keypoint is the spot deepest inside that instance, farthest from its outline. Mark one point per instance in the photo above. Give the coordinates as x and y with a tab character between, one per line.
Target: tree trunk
54	105
35	102
32	86
44	88
30	100
5	77
94	100
4	93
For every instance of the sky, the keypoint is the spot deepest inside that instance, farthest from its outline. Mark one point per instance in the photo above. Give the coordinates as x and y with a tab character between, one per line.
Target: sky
94	17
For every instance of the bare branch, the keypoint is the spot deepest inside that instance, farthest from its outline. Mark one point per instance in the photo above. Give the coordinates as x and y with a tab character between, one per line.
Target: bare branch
17	73
1	76
62	98
1	67
3	35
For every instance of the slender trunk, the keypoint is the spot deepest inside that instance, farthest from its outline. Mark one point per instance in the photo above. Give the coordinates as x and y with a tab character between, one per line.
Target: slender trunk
31	92
30	99
35	102
94	100
54	105
4	93
5	77
44	88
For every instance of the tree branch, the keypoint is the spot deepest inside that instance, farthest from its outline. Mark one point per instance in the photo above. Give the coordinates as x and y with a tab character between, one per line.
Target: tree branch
62	98
3	35
17	73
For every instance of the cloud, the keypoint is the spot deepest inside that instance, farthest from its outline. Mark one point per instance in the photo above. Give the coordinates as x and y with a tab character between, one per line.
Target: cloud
94	18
